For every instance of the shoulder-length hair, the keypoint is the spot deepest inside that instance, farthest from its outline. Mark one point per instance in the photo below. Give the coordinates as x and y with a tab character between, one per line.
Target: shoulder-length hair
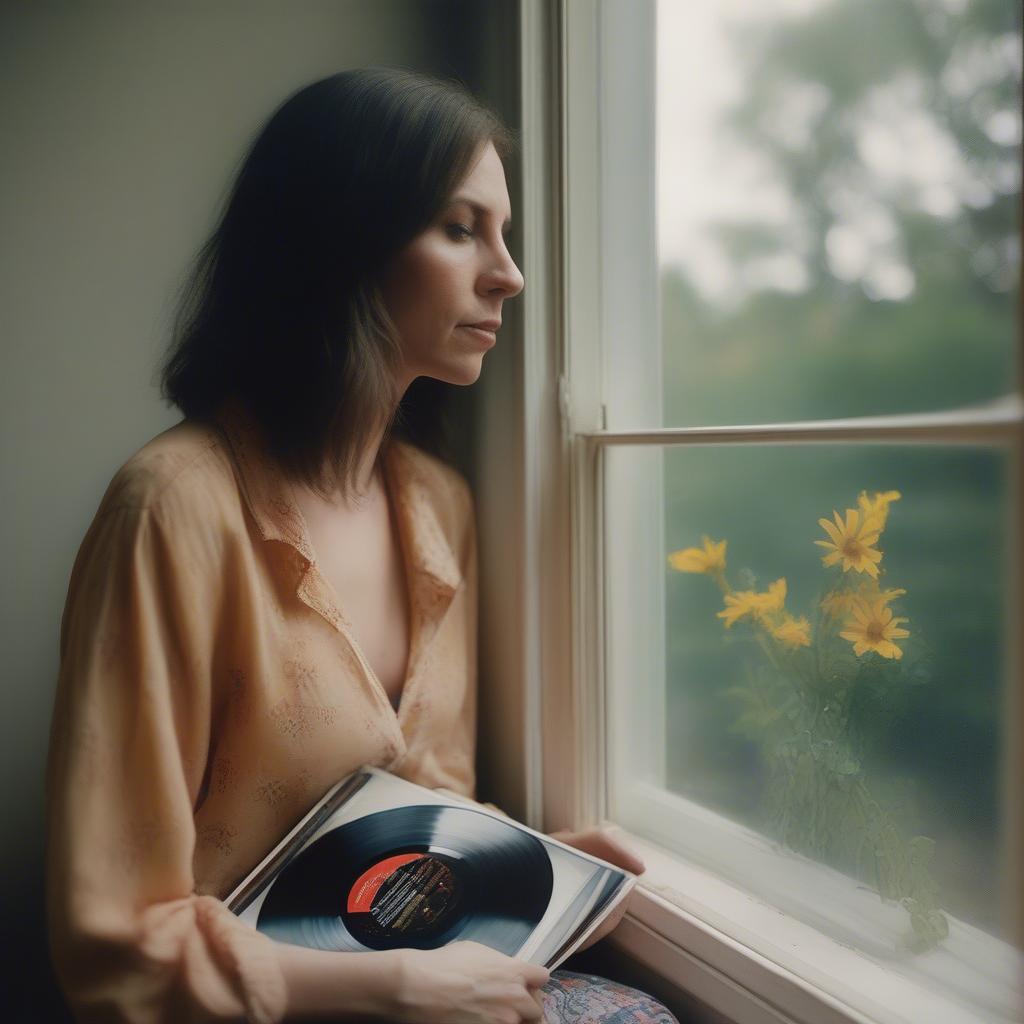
282	309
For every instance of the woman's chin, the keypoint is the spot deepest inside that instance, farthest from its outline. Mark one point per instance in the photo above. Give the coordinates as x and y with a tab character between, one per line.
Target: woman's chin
461	372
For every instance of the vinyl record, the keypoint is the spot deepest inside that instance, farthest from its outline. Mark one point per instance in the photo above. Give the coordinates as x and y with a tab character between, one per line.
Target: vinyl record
412	877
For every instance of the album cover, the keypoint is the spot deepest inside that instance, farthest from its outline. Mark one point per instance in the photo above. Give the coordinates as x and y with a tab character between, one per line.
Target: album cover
381	863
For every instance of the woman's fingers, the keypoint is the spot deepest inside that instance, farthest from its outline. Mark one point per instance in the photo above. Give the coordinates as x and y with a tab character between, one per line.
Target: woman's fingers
535	975
624	858
599	843
531	1006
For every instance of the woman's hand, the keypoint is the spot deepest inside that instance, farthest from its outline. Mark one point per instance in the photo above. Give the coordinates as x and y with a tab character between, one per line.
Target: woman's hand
598	843
467	983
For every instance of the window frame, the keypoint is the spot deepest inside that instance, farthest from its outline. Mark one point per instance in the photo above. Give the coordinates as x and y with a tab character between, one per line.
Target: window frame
565	439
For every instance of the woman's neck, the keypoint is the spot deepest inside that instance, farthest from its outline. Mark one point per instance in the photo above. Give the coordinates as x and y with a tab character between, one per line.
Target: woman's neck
367	480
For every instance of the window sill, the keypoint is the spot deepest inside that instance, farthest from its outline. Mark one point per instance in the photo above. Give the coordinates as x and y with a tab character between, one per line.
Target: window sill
753	963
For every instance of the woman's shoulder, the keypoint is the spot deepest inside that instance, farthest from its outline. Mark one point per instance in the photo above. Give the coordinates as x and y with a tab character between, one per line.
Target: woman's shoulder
173	499
186	467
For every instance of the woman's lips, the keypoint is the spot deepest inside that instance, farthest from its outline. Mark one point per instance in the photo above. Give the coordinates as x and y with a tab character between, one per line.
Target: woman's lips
486	337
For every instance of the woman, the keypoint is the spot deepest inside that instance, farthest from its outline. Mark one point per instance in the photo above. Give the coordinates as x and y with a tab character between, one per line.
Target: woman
280	589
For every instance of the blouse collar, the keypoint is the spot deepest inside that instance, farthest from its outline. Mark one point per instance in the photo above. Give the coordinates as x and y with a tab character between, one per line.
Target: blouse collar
271	501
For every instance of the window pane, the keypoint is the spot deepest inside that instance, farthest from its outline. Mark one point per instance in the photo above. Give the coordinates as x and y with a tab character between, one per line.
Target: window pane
838	183
847	710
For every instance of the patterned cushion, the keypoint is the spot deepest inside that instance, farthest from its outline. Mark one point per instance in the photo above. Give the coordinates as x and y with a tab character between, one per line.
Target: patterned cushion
574	998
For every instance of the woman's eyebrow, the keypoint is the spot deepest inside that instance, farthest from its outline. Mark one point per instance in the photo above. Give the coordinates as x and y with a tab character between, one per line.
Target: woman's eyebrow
478	209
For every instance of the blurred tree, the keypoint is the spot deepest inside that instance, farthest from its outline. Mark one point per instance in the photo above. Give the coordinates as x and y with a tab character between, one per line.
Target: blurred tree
893	128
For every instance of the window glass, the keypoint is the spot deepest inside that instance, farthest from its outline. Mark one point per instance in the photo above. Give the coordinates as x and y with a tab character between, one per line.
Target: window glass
834	622
837	188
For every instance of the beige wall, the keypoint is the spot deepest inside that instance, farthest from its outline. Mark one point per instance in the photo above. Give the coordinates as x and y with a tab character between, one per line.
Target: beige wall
122	122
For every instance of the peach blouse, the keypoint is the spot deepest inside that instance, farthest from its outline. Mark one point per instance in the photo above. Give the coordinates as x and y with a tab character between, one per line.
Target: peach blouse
210	692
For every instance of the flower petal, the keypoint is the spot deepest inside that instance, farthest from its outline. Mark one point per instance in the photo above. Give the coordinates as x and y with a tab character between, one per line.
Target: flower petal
836	535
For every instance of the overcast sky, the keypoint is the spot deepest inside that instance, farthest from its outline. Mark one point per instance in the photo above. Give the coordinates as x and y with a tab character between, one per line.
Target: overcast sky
704	176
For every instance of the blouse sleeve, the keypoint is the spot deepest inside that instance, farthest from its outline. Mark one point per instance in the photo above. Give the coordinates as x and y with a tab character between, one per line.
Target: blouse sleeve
130	939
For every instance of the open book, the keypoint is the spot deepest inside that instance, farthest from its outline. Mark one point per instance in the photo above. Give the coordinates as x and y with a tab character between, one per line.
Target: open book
381	863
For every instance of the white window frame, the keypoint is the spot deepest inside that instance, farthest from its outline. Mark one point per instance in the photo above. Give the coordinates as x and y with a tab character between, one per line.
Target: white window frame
691	926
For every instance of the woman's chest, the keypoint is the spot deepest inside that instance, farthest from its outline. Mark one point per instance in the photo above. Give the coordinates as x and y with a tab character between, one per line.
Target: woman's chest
360	556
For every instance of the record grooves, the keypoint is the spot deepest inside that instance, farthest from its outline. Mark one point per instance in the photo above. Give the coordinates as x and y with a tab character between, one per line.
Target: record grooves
418	877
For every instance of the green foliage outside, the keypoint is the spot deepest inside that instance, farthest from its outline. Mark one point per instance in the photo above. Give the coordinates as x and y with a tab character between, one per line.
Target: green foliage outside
929	745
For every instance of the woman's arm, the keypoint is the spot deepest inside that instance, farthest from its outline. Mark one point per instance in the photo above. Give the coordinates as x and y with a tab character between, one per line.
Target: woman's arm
130	938
349	986
462	983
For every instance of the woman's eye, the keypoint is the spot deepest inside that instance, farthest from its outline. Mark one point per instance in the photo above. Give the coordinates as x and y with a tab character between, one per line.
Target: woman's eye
459	231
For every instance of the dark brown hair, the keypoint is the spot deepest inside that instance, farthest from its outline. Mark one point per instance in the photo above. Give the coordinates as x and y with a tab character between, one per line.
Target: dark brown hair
281	310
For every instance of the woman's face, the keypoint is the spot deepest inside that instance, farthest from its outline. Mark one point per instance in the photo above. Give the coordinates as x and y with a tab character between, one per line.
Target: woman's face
455	274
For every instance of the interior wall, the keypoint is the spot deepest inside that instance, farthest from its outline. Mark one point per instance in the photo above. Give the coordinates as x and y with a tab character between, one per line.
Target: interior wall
123	124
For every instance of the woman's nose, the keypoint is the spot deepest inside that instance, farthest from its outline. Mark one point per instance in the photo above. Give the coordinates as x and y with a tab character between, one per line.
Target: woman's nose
504	276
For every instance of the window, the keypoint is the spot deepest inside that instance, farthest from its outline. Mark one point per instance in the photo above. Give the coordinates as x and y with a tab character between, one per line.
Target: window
791	278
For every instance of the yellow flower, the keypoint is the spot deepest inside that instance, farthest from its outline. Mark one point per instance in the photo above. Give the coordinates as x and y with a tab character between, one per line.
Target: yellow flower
738	604
852	542
877	506
793	632
774	598
746	602
838	602
841	602
873	627
710	558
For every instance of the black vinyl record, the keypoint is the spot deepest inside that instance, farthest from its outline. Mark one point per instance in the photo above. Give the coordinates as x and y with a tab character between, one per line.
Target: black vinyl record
412	877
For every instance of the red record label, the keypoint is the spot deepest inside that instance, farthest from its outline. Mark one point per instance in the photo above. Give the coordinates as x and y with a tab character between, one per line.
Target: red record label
365	887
